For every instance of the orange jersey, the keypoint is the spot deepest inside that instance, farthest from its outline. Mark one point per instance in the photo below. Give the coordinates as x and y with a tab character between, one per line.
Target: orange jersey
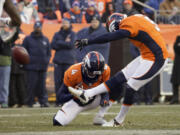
73	77
145	35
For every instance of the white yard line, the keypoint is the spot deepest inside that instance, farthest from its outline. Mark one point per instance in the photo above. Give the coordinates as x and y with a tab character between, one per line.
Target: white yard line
101	132
114	106
83	113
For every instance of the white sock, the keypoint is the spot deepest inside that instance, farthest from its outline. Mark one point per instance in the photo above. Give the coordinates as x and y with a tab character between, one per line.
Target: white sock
103	110
96	90
122	114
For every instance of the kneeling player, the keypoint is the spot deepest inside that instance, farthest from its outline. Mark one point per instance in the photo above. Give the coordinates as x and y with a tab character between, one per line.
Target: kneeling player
88	74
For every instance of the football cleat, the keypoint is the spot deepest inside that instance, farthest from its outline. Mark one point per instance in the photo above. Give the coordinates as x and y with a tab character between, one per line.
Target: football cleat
80	94
112	123
99	120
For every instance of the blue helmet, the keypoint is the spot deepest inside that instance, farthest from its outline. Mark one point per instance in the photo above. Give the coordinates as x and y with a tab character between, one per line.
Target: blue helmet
113	21
93	64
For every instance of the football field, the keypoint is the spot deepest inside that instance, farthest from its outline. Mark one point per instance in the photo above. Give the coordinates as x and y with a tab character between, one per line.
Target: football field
141	120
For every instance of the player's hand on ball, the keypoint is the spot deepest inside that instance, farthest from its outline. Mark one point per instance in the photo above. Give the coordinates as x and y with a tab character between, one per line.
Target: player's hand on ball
81	43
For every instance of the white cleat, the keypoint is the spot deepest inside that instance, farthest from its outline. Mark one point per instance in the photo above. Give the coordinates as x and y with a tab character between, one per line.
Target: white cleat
99	121
79	93
112	123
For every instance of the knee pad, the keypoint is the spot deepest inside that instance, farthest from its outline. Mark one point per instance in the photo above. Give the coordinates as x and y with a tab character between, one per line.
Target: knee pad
129	94
55	122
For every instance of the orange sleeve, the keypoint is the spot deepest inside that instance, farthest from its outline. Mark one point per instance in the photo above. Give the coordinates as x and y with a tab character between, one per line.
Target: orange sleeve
72	75
58	14
130	26
67	79
107	73
66	15
84	19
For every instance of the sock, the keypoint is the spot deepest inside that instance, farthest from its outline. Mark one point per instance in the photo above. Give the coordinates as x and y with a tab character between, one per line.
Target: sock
103	110
122	114
96	90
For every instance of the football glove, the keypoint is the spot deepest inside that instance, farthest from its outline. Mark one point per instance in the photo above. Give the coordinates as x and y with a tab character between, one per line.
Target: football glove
81	43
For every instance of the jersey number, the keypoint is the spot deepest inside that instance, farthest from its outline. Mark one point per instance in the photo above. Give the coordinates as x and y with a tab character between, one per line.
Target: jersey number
151	21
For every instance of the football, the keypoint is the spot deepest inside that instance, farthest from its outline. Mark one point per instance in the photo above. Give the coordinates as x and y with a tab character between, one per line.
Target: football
20	55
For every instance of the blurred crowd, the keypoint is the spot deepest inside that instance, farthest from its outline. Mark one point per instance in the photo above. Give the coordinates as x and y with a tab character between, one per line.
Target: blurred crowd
82	11
25	84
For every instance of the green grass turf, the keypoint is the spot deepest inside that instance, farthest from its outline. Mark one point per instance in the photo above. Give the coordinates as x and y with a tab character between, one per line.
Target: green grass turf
156	117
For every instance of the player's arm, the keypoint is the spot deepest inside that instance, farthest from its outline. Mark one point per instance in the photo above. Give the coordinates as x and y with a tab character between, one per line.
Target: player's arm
13	13
63	94
111	36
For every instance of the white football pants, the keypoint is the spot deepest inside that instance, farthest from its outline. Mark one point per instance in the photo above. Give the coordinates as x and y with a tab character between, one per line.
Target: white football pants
71	109
138	68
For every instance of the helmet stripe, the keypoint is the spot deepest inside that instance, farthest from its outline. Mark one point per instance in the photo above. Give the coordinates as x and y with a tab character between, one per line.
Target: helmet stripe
97	58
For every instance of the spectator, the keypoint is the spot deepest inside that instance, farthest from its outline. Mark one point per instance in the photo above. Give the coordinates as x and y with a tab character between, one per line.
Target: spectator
50	14
28	11
54	16
85	4
5	68
128	8
91	12
5	50
38	48
75	15
95	29
34	2
17	80
118	4
64	6
138	7
154	4
63	44
101	6
42	4
109	11
170	9
175	78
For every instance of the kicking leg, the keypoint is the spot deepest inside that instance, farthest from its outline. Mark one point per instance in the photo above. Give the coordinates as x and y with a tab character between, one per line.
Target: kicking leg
128	101
145	72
